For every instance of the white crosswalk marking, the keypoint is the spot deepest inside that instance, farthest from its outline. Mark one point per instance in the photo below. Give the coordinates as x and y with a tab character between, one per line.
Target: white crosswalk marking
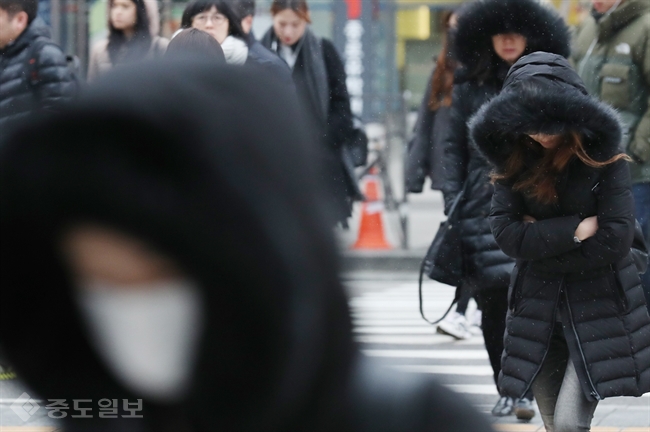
388	326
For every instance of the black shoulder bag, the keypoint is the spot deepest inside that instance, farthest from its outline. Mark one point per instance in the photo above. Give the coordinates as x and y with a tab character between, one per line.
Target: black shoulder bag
444	260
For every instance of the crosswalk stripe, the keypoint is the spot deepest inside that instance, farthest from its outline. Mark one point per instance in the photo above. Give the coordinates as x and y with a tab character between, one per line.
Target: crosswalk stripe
394	330
428	354
432	339
447	370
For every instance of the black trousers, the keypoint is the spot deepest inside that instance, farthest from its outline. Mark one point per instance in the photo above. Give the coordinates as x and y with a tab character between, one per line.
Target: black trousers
493	303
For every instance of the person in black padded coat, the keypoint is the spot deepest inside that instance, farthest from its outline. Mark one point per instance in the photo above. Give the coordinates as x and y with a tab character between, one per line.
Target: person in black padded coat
320	78
220	306
491	35
578	329
34	74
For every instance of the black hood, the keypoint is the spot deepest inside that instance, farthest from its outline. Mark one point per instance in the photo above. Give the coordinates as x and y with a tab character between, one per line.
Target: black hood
543	27
543	94
211	166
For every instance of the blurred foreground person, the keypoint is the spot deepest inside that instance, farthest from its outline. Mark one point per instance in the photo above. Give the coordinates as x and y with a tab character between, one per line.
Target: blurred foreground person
612	54
189	259
195	42
34	74
320	78
132	37
578	327
491	36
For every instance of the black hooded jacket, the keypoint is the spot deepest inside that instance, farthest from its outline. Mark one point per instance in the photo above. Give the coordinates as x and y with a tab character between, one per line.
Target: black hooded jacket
594	284
479	80
24	88
239	210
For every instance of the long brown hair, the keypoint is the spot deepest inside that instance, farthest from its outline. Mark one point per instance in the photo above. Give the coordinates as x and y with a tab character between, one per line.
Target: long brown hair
539	181
442	82
299	7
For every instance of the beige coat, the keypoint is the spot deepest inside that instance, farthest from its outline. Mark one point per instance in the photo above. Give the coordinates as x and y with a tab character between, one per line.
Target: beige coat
100	61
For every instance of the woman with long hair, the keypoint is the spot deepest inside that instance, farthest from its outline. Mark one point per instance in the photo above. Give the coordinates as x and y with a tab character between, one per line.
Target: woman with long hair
491	35
578	329
425	150
132	36
319	75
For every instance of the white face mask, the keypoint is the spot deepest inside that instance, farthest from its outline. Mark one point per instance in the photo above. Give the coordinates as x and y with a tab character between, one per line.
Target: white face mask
147	334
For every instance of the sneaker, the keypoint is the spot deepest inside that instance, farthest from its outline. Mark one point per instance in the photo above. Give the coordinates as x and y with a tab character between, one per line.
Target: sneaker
524	409
454	325
474	323
503	407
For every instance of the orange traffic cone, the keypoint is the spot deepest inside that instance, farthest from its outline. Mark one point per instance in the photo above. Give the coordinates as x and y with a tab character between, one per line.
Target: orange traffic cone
371	229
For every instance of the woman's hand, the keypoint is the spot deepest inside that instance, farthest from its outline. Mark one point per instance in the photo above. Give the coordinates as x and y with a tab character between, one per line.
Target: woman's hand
587	228
529	219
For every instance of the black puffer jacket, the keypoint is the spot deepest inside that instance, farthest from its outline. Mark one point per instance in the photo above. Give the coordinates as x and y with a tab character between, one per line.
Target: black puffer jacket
20	94
234	206
425	150
595	285
545	30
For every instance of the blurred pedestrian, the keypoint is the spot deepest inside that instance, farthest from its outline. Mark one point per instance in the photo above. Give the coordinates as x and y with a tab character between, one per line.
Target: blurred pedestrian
34	73
425	150
611	55
188	264
320	78
245	11
425	159
578	328
218	19
132	37
196	43
491	36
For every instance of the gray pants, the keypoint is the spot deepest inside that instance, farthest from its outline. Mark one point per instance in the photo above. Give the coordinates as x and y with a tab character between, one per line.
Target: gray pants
561	401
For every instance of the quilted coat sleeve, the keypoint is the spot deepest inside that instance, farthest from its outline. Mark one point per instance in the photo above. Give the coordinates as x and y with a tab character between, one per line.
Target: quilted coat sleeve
456	155
613	239
528	241
56	84
417	160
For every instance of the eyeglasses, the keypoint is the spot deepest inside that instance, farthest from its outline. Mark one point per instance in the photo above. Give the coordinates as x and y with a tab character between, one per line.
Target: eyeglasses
216	18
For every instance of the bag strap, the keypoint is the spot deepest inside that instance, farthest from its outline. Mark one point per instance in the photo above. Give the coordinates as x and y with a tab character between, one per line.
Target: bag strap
454	301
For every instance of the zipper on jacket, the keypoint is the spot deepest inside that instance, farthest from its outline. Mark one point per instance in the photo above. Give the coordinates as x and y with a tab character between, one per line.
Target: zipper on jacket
548	343
594	392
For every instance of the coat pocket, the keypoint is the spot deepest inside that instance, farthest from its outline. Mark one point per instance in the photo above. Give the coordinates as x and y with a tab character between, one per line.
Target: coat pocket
514	291
615	85
619	293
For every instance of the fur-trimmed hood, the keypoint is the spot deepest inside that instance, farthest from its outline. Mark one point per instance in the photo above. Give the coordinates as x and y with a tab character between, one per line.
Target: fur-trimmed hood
543	94
543	27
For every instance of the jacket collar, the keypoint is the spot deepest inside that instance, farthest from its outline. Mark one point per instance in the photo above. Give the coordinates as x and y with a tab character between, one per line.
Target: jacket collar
621	17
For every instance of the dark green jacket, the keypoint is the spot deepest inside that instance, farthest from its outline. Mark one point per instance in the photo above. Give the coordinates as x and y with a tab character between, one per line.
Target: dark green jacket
612	56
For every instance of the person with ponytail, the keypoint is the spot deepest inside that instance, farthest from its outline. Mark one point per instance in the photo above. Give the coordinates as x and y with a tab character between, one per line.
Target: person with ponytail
577	329
132	36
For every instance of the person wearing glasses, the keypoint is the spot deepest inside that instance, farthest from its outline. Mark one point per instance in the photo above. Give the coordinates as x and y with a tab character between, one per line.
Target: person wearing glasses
218	19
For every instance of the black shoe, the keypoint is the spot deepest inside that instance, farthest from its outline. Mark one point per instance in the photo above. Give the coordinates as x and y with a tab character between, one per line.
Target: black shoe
503	407
524	409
